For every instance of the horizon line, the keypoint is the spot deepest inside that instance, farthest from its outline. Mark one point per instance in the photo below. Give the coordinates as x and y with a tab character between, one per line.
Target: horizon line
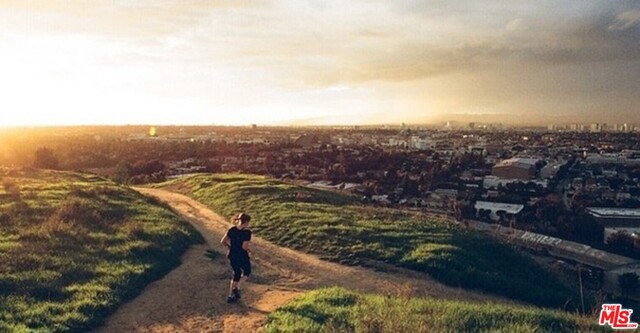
456	124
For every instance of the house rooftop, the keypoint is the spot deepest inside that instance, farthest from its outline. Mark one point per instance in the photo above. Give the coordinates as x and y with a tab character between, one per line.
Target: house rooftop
614	212
518	162
497	206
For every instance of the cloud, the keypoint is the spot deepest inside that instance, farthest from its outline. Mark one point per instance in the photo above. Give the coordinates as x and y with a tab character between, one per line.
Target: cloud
296	43
547	41
455	55
118	18
626	20
514	24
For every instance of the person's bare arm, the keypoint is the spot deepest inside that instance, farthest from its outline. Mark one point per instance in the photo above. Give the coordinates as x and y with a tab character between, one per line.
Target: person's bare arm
246	245
226	241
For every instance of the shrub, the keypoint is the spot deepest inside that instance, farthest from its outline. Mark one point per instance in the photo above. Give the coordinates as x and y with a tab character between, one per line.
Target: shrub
45	159
622	243
77	214
12	189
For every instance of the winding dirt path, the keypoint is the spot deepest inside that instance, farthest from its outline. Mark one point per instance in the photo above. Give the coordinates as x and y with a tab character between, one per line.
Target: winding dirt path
192	298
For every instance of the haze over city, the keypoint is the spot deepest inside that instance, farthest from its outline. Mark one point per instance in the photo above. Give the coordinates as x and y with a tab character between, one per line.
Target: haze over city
315	63
308	166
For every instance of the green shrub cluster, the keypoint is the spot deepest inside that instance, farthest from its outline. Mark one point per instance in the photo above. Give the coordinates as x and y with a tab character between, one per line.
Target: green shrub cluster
76	247
339	310
336	227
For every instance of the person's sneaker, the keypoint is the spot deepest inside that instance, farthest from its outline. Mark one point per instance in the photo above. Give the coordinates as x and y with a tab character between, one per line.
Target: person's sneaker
231	299
236	293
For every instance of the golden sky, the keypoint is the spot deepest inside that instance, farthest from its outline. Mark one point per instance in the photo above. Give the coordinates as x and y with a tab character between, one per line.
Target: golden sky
318	62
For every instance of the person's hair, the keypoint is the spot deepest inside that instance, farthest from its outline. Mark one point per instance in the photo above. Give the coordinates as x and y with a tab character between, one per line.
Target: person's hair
242	218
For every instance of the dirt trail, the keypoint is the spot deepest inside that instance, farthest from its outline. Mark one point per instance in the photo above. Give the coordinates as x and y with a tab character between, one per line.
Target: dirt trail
192	298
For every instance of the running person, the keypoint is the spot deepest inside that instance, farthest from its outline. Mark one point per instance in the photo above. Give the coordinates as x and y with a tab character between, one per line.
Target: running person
238	241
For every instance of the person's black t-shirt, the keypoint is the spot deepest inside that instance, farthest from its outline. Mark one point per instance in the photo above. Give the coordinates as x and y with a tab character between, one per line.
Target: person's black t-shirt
237	237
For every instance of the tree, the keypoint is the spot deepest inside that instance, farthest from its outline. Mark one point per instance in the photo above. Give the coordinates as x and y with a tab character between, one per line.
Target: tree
527	216
147	168
45	159
484	215
622	243
502	216
269	163
586	228
468	211
122	173
628	283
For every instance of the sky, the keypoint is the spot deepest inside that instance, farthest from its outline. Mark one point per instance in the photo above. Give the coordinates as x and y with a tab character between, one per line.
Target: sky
233	62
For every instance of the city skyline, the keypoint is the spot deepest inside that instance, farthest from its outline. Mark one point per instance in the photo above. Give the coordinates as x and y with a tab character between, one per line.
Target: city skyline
308	63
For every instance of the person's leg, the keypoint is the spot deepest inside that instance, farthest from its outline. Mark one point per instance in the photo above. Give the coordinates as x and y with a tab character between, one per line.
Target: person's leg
246	273
237	274
245	266
233	285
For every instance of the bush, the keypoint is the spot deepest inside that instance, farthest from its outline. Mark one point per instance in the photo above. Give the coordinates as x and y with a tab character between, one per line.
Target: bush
45	159
12	189
622	243
75	214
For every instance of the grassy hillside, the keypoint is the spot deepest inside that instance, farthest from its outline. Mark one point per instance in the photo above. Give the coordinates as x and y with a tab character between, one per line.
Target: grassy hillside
339	310
74	246
336	227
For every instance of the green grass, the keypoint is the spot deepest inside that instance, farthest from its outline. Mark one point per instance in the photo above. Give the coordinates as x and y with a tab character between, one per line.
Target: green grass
75	246
336	227
339	310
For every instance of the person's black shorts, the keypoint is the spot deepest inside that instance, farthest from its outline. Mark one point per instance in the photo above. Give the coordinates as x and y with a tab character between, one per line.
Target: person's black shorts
241	266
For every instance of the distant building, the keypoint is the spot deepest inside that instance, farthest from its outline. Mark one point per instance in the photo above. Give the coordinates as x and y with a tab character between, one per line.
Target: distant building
447	193
495	207
394	142
383	199
477	150
550	170
515	168
494	148
419	143
493	182
617	219
326	185
612	159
